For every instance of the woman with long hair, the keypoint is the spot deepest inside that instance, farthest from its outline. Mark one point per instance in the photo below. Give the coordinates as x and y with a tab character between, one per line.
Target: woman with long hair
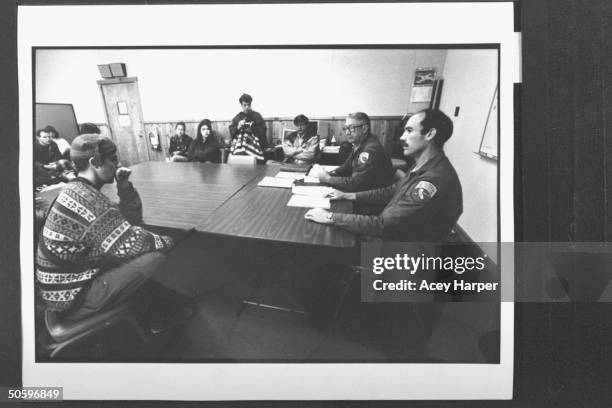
205	147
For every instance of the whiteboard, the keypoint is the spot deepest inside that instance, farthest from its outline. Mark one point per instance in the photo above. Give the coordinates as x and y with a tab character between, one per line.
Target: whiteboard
488	144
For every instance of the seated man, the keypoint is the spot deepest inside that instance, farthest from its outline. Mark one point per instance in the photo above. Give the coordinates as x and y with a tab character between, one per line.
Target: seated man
179	144
249	126
423	206
49	167
367	167
301	146
87	240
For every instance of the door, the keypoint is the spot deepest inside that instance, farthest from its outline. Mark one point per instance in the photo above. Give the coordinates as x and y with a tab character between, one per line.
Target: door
121	100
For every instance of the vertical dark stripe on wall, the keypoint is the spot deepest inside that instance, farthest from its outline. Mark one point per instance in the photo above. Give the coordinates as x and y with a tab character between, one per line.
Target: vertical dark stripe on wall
606	86
589	181
531	318
560	131
10	308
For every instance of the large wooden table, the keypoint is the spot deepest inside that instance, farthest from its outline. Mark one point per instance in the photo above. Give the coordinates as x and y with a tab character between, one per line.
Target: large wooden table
224	199
182	195
262	213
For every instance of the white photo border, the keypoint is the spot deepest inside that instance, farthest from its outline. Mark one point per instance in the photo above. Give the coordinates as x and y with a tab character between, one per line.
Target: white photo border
267	24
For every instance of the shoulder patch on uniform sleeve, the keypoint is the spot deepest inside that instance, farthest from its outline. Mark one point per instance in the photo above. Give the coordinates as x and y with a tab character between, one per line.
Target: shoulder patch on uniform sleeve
363	157
424	191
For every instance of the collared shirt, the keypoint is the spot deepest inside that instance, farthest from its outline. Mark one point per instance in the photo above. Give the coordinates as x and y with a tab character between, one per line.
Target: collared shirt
422	207
179	145
367	167
306	144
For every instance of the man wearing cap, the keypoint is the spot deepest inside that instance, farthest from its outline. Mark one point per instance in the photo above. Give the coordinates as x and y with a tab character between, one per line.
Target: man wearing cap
249	117
424	205
91	253
367	167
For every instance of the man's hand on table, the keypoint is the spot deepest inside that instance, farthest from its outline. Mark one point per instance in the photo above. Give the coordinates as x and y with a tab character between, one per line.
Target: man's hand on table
337	195
320	215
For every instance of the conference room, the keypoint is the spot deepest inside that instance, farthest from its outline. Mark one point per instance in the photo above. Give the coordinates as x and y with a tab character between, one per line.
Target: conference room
246	254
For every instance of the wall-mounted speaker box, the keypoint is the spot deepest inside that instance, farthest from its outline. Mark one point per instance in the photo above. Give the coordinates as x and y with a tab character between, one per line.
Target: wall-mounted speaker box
118	70
105	71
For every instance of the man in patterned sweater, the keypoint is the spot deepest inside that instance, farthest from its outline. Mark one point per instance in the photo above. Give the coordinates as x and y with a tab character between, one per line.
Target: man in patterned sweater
91	253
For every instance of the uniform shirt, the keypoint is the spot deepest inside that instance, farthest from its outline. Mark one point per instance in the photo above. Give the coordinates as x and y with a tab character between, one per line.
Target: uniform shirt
179	146
258	127
367	167
307	144
422	207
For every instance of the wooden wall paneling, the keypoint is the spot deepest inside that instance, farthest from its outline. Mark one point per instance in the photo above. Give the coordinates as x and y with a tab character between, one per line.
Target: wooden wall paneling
591	334
560	131
534	127
383	127
607	120
589	177
559	350
532	319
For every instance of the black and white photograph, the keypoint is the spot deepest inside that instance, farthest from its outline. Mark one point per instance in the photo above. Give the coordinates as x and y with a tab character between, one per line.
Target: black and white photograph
312	206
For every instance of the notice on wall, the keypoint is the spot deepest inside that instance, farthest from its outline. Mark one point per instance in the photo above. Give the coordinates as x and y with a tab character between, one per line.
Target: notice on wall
422	87
124	120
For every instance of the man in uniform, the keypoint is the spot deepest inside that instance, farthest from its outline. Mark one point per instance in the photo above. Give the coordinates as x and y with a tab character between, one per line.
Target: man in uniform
367	167
424	205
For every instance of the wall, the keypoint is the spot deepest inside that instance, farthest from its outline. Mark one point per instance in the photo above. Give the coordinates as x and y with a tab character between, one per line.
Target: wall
470	77
385	127
192	84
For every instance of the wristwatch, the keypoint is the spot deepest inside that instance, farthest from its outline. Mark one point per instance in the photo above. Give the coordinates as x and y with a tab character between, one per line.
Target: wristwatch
330	216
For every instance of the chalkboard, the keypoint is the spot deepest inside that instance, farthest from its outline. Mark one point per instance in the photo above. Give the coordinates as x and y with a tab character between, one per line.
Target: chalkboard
59	115
488	144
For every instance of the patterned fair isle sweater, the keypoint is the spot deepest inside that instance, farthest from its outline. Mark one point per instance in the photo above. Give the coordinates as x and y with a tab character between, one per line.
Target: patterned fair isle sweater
85	234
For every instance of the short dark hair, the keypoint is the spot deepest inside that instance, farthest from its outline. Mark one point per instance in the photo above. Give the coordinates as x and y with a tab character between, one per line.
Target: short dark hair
180	124
245	98
47	129
300	119
436	119
52	130
88	128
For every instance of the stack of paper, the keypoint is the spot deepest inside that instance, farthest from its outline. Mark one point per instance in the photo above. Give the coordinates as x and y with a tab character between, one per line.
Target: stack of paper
311	191
331	149
275	182
290	175
308	202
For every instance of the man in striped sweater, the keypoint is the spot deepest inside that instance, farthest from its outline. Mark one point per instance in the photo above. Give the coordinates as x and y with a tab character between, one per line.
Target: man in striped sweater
91	252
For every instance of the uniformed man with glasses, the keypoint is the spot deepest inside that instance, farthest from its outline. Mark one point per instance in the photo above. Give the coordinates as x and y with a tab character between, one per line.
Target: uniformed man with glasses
367	167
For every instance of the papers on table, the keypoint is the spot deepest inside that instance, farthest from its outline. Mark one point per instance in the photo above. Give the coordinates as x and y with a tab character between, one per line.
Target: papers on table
331	149
308	202
318	170
296	176
275	182
290	175
311	191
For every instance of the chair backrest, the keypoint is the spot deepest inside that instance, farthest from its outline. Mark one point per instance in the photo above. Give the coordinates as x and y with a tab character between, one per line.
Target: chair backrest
241	159
286	132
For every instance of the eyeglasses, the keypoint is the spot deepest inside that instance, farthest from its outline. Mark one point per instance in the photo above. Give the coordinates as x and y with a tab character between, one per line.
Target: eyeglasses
351	128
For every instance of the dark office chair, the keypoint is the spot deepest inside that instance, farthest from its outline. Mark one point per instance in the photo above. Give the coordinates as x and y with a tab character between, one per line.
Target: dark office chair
64	332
